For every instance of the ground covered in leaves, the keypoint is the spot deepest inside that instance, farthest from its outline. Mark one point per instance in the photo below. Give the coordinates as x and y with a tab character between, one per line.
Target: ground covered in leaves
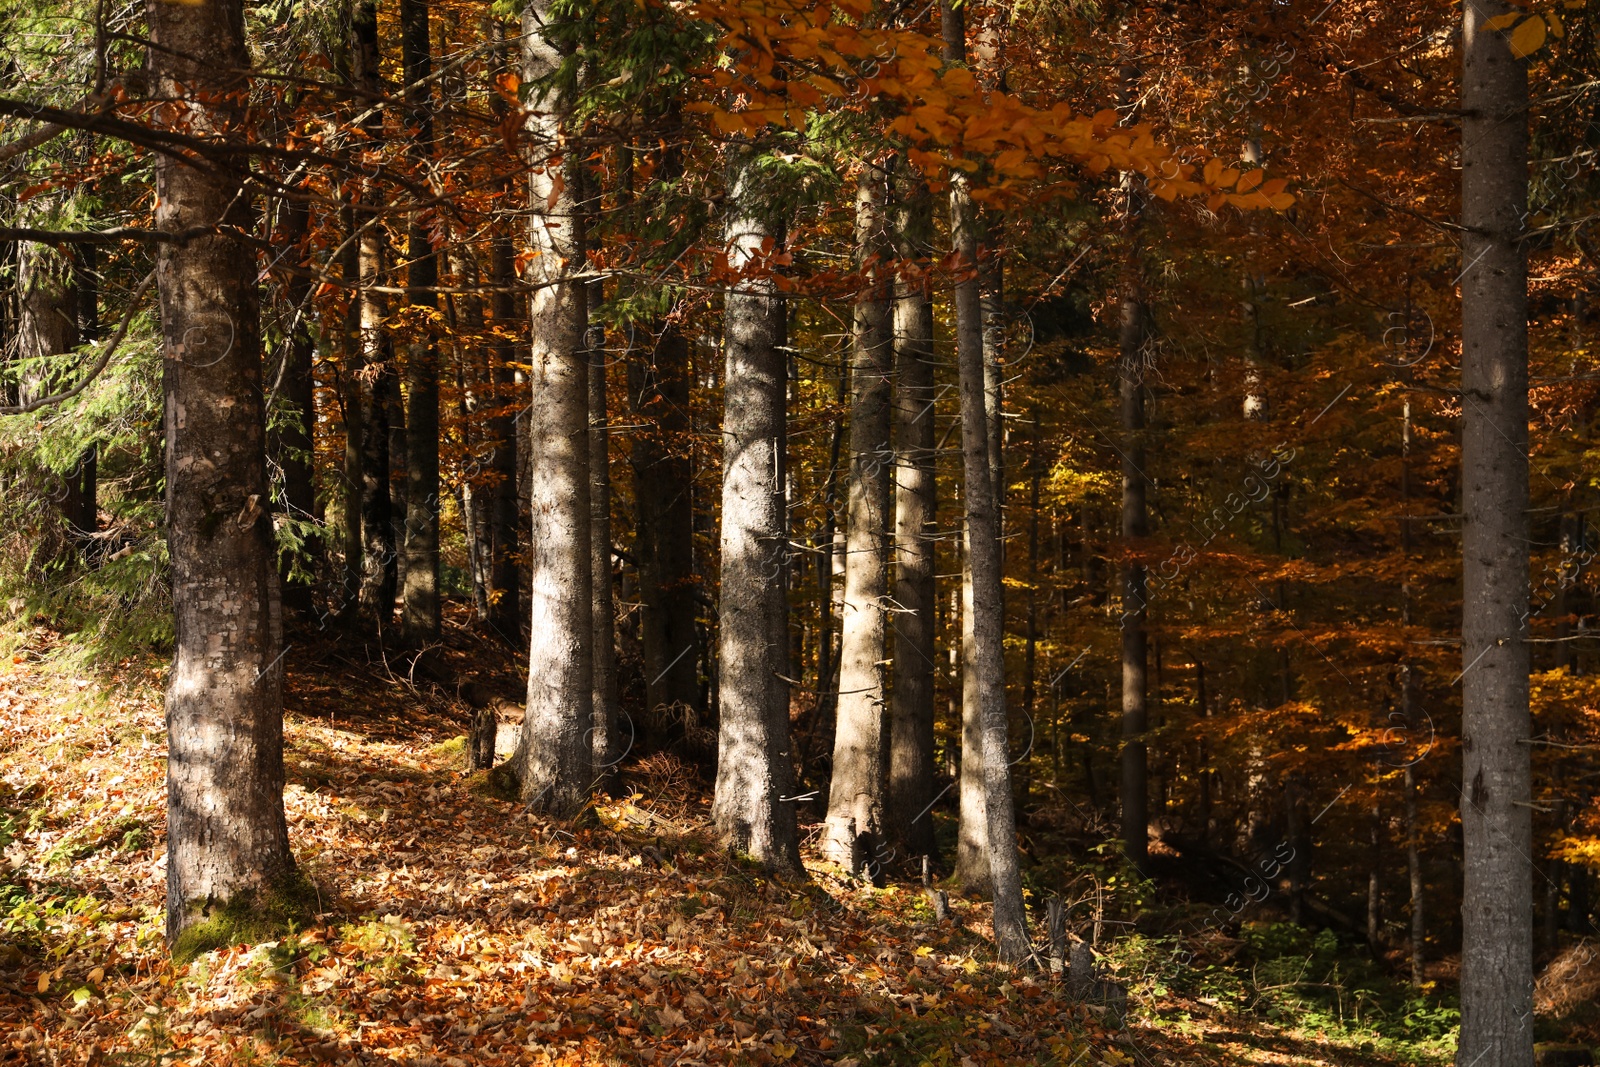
453	929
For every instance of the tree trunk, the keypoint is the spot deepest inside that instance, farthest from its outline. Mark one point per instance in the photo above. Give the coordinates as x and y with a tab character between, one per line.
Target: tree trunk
554	758
1497	898
291	445
754	810
419	608
47	326
380	574
972	840
607	744
1135	528
663	471
1418	930
350	391
916	513
227	839
83	514
854	833
985	655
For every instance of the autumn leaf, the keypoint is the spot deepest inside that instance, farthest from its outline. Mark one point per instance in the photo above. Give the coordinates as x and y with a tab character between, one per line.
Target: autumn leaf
1528	37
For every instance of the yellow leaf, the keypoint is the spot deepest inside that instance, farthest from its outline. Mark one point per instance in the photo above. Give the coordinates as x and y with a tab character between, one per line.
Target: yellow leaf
1227	177
1281	201
1215	201
1557	30
783	1051
1249	180
1212	172
44	981
1528	37
1500	22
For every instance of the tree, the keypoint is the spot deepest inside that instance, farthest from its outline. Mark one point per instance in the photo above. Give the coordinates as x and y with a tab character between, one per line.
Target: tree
911	741
854	832
553	762
1497	832
754	809
419	612
227	838
380	567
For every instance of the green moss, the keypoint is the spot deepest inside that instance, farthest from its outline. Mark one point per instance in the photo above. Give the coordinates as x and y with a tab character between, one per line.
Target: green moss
249	918
503	782
453	752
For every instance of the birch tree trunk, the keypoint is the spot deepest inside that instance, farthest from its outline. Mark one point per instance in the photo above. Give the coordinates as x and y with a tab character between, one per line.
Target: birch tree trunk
227	839
554	759
854	833
753	809
1497	898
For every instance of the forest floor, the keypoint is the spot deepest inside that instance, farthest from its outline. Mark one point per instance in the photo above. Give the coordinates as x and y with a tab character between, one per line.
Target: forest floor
454	929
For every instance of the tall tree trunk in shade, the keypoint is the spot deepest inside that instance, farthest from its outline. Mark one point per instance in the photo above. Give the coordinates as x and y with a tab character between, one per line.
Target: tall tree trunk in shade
47	327
380	574
663	477
984	653
1497	833
227	838
911	730
419	609
83	484
854	833
474	395
1131	339
505	601
972	839
554	760
291	445
972	832
753	808
350	392
608	744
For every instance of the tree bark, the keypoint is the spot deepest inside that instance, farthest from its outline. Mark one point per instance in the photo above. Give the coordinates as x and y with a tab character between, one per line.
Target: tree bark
554	757
607	743
916	512
505	614
754	810
350	391
419	607
1497	898
380	573
854	833
291	445
984	653
1135	784
227	838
